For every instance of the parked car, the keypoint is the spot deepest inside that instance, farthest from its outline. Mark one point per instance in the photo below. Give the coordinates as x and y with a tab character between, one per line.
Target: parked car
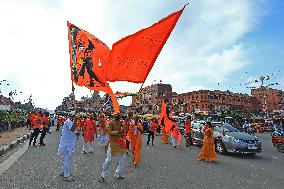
278	141
197	132
230	139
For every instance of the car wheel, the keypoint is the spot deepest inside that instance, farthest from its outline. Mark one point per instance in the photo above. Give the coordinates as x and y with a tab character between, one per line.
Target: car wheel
220	147
280	147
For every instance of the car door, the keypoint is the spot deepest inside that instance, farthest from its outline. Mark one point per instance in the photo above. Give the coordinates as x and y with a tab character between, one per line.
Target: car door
197	133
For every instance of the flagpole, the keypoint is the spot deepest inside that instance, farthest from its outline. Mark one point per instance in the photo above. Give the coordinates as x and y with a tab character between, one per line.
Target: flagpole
73	97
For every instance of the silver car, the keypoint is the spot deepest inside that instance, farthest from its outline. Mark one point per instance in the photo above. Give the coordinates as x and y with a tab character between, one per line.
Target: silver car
230	139
227	138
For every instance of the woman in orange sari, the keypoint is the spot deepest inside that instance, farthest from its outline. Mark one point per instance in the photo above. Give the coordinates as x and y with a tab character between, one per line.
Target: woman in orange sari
207	152
135	136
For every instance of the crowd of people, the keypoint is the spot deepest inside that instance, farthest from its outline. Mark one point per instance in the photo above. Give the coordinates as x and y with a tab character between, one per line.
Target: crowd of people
118	134
121	135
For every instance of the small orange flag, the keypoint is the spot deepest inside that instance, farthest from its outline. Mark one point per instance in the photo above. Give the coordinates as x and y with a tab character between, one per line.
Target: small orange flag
132	57
86	51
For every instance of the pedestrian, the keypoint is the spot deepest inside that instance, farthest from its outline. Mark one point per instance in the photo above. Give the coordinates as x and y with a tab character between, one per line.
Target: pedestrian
135	136
116	147
152	131
176	136
67	145
126	126
188	138
58	122
37	124
208	152
102	129
89	131
45	122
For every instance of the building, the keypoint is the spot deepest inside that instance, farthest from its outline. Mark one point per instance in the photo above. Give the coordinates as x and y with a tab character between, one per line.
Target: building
269	99
211	101
6	103
150	98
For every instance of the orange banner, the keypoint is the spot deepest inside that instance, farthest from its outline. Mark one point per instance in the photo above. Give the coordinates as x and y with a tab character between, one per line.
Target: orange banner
86	52
132	57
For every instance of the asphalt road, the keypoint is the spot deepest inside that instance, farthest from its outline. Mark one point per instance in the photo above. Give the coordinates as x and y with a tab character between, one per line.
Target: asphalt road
162	167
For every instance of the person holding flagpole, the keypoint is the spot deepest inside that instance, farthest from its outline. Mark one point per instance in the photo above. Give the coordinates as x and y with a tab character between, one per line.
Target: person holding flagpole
67	145
116	147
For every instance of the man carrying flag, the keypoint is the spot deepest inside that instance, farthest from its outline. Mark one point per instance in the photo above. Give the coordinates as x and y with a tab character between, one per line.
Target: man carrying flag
116	147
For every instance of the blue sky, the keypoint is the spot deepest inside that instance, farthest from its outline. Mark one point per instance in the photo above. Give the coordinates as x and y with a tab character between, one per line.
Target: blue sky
215	41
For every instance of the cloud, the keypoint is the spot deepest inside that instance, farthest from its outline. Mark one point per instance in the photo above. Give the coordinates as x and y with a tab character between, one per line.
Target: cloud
205	47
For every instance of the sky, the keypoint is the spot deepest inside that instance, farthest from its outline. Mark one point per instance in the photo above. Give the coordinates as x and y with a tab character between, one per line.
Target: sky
216	44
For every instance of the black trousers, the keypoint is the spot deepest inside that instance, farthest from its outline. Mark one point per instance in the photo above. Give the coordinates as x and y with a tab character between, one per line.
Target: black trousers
150	135
127	144
188	139
34	136
43	133
57	127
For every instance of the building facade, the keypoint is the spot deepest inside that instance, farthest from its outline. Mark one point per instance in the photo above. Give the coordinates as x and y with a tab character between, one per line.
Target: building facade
263	99
212	101
269	99
150	98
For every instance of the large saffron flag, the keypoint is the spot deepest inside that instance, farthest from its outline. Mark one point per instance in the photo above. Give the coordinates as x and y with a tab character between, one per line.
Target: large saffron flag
86	53
132	57
166	119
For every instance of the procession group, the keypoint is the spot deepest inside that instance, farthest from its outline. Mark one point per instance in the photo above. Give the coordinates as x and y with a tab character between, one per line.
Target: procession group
119	135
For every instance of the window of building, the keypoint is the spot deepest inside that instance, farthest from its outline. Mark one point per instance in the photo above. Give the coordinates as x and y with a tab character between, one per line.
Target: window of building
201	97
202	106
196	106
192	97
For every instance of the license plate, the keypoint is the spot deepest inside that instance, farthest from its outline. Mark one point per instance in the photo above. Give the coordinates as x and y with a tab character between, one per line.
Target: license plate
252	147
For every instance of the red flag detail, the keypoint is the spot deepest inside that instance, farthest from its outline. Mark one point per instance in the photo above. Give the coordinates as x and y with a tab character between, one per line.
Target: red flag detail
132	57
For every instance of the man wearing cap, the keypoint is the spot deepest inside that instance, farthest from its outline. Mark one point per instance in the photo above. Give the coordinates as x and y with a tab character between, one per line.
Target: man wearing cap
67	145
116	147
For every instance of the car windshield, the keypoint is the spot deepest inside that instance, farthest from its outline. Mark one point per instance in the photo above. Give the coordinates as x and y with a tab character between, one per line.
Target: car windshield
229	128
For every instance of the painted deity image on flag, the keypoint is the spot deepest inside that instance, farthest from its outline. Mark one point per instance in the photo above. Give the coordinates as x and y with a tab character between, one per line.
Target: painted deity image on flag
82	61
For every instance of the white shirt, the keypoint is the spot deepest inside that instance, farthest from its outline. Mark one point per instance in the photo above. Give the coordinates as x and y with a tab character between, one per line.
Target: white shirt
68	138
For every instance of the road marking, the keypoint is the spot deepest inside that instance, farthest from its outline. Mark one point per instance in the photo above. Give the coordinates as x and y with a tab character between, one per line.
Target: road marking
274	157
11	160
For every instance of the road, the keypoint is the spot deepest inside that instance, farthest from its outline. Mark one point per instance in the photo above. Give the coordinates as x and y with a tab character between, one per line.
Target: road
162	167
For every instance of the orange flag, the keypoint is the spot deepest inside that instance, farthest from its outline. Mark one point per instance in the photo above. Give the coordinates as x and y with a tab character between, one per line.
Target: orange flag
86	51
132	57
165	119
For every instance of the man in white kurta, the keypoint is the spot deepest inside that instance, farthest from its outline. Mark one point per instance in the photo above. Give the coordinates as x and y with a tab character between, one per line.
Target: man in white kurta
67	145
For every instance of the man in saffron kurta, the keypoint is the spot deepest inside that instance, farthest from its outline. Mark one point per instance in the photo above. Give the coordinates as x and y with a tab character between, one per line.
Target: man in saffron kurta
89	131
37	125
152	131
116	147
187	126
135	131
45	122
126	126
102	129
